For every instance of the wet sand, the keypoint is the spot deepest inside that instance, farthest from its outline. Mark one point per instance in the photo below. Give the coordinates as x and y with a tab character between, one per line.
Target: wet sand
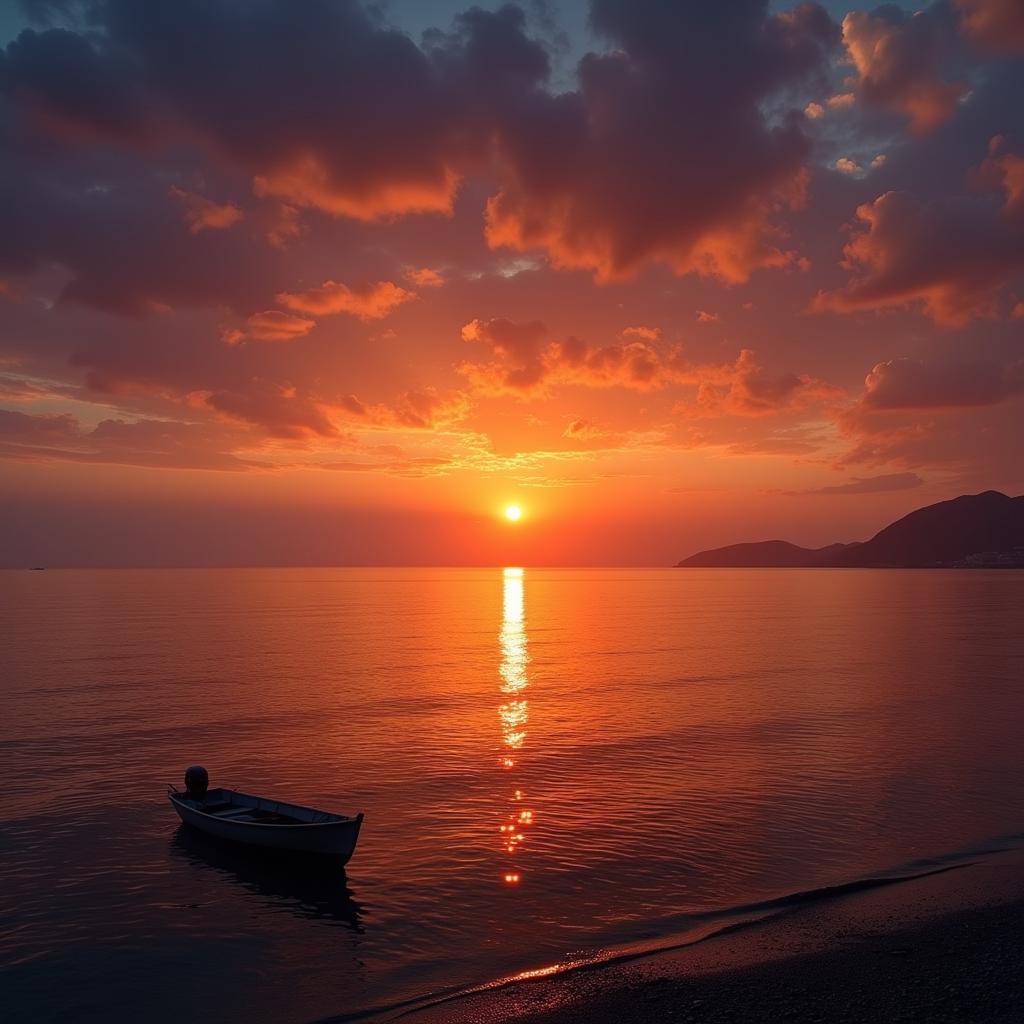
948	947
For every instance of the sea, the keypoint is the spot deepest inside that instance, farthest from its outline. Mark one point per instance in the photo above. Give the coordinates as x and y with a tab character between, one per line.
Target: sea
556	766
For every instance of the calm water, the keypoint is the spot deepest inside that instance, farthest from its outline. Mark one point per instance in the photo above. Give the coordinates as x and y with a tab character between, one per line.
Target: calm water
552	763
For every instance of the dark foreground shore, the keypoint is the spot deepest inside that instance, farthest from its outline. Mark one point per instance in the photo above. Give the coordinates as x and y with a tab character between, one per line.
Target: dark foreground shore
945	948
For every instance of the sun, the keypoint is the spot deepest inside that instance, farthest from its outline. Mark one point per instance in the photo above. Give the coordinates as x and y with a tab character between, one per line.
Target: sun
513	513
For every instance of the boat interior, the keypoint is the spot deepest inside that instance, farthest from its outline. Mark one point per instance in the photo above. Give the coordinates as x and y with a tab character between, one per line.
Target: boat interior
231	806
235	812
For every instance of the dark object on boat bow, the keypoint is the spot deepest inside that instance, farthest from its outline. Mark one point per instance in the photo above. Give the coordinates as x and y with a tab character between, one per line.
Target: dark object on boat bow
197	782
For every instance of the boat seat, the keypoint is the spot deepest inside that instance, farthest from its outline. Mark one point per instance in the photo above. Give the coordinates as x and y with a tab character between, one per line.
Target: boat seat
233	812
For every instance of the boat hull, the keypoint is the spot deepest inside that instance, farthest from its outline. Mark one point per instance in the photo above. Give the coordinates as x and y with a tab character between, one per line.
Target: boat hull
335	839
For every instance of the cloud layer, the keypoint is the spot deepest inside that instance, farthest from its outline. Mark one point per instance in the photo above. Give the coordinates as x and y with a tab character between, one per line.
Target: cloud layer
303	243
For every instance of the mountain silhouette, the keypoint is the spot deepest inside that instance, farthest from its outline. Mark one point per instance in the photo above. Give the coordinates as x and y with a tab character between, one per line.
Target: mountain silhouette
974	530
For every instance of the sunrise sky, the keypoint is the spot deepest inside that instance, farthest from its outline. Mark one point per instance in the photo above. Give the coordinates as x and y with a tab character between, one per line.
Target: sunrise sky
327	283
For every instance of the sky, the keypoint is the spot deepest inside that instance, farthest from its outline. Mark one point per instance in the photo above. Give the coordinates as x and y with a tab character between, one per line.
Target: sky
336	283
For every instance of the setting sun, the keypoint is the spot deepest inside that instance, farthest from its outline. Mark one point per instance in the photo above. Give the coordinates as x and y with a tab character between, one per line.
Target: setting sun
513	513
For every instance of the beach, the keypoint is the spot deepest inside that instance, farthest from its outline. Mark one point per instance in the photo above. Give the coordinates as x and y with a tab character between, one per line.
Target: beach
945	947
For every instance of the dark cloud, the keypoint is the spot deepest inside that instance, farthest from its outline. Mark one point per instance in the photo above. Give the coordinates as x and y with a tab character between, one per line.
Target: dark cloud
747	389
109	133
78	89
978	443
902	60
160	444
665	153
327	107
868	485
995	24
773	446
279	409
952	255
937	412
324	106
46	429
915	384
118	231
236	171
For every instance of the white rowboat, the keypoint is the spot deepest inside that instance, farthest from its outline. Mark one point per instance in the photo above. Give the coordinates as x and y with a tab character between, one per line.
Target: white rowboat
272	824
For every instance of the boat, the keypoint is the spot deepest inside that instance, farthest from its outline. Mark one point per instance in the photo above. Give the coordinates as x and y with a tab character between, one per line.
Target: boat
259	821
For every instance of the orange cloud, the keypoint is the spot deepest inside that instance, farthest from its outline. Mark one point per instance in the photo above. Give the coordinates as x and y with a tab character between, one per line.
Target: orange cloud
367	302
202	214
415	468
519	346
310	181
581	428
744	388
281	224
842	101
424	277
586	435
272	325
529	364
644	333
426	408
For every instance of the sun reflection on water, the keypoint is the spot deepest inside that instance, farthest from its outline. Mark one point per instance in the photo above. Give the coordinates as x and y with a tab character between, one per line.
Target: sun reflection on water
514	713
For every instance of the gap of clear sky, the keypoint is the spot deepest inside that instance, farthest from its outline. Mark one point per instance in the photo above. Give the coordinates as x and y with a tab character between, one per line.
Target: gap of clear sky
336	283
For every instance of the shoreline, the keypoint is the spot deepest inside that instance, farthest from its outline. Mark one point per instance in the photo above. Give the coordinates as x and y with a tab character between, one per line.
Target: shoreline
943	946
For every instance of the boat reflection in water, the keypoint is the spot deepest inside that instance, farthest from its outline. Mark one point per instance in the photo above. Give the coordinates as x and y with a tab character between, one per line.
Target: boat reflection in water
292	884
514	714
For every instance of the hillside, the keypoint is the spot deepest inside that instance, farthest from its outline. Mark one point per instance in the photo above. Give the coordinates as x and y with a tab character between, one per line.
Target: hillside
765	553
974	529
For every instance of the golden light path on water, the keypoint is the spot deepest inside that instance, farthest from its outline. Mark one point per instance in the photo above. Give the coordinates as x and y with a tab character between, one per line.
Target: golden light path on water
514	712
